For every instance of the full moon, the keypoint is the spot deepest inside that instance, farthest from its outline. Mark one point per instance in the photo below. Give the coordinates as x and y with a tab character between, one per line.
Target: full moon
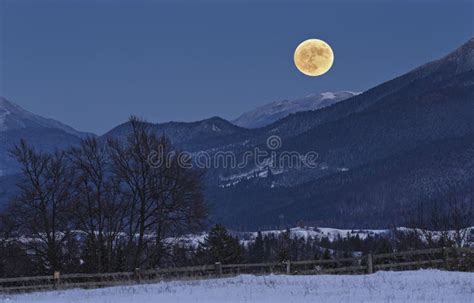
313	57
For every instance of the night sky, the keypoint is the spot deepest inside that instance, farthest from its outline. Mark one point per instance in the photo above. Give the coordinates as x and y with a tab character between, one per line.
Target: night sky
91	64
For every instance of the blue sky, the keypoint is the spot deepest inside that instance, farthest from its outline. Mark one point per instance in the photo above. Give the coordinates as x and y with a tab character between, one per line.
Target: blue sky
91	64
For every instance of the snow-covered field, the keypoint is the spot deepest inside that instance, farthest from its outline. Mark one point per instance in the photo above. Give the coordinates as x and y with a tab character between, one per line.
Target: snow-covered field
407	286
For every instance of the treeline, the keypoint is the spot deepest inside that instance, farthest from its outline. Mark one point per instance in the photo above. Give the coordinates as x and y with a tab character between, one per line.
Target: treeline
221	246
123	204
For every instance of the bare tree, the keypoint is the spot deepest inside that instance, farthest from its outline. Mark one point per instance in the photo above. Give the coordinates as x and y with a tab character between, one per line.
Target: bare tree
98	207
178	203
164	197
430	224
460	216
41	211
444	221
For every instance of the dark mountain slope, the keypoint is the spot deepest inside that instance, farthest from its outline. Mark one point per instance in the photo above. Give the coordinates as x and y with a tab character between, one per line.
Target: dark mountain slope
424	111
8	189
45	139
370	196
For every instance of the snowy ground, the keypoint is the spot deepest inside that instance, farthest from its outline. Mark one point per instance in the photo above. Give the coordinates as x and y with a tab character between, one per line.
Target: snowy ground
407	286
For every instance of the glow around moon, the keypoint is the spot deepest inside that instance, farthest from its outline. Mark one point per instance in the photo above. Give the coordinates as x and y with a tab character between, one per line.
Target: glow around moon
313	57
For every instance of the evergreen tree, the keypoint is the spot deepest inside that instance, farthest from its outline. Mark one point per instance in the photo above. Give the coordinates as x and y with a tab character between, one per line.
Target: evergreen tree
257	250
219	246
284	243
326	255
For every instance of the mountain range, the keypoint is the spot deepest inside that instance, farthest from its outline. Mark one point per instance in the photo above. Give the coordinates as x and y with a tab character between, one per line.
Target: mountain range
380	152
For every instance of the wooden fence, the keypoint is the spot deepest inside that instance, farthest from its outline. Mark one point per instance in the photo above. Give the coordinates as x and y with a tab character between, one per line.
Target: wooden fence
447	258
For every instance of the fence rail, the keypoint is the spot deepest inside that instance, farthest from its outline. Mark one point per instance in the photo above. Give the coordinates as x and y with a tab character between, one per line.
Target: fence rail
447	258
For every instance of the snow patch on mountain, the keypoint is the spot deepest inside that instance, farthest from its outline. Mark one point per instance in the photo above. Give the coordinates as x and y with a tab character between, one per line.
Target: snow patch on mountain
3	117
215	128
328	95
261	171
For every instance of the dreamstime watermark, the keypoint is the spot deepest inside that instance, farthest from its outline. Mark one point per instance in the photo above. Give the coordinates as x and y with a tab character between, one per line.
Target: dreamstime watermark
268	156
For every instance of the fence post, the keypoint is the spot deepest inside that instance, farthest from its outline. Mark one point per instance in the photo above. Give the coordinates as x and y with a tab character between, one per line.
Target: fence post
288	267
370	266
138	275
445	257
57	279
218	268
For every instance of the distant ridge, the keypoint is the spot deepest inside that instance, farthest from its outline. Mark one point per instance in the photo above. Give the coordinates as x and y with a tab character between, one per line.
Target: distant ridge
271	112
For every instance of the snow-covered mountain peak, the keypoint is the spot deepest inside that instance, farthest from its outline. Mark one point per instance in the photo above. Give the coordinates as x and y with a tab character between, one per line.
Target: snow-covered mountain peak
13	117
271	112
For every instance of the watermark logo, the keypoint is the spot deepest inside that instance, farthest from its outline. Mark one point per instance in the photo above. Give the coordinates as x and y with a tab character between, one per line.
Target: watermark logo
271	157
274	142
